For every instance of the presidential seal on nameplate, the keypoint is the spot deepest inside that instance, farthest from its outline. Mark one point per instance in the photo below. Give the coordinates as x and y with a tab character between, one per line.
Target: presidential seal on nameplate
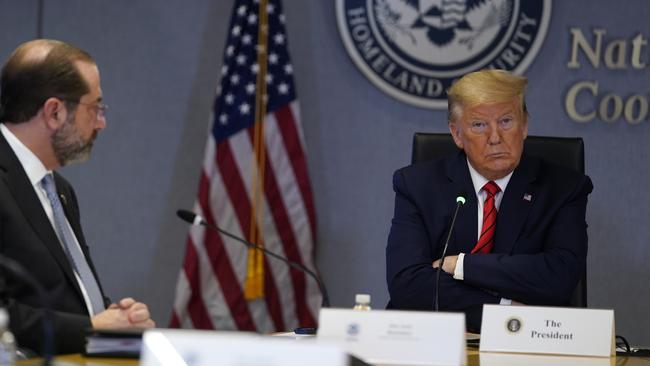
547	330
414	49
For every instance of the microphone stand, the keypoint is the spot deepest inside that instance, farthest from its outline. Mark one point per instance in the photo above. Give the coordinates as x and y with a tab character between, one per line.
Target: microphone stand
195	219
460	200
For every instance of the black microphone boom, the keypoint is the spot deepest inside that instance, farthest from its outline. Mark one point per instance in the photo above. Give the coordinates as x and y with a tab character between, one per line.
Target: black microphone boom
194	219
460	200
21	273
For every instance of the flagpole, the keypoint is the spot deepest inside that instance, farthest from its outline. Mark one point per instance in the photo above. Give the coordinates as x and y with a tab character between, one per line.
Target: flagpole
254	286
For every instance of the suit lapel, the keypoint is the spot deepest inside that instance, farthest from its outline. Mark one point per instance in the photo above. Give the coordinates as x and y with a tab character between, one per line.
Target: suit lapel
465	231
517	201
23	192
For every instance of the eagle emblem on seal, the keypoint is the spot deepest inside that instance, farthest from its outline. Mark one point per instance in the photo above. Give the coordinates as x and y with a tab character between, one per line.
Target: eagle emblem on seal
442	20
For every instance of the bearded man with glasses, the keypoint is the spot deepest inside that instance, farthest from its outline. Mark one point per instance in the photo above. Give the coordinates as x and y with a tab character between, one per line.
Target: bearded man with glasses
51	111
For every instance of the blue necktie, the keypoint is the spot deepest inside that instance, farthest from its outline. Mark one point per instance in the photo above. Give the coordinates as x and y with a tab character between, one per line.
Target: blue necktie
73	251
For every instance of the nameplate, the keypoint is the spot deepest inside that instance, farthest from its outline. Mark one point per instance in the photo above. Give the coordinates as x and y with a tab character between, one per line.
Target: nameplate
519	359
396	337
547	330
208	348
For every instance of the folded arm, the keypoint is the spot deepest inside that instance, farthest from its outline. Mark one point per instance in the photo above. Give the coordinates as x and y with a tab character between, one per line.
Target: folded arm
409	256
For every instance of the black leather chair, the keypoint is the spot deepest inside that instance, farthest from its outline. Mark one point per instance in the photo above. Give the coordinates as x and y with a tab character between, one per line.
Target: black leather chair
565	151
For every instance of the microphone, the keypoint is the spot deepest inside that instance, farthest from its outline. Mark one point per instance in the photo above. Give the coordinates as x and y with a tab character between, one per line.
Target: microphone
460	200
194	219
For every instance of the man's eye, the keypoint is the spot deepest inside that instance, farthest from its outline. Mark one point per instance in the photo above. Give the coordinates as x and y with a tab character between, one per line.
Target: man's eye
506	122
478	126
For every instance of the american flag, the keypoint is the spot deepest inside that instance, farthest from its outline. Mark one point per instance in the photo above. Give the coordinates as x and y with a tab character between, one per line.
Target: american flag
254	183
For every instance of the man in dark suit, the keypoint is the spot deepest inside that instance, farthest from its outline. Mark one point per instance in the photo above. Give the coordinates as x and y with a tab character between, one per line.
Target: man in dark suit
51	111
532	245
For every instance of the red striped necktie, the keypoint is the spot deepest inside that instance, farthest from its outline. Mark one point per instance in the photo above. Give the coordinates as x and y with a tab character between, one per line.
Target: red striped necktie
486	240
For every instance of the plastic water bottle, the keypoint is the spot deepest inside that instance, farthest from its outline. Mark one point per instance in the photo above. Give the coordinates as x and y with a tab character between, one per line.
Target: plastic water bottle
7	341
361	302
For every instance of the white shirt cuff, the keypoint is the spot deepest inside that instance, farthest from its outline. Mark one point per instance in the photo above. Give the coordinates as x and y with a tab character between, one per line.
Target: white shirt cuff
459	272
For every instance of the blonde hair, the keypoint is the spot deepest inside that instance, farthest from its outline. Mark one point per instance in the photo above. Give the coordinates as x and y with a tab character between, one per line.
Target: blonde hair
485	87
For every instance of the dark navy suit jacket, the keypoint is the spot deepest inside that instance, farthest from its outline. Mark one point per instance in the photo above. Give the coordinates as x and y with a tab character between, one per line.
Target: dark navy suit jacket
27	236
540	245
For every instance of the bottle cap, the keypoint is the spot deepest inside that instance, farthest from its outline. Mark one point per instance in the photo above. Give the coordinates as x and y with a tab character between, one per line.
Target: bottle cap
362	299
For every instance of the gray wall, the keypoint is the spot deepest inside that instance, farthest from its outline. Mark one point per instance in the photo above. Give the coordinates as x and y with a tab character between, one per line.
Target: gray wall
159	63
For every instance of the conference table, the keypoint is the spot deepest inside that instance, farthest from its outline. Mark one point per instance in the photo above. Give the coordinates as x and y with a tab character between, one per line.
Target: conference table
473	359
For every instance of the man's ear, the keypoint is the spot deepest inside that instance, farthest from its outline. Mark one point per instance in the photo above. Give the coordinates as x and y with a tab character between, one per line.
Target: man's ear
55	113
455	134
525	127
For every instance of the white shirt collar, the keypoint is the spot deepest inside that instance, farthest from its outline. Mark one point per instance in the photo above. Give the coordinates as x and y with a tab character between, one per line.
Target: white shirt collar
32	165
479	181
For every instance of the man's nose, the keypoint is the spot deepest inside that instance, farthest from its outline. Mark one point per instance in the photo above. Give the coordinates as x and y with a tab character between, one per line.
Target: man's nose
101	122
494	134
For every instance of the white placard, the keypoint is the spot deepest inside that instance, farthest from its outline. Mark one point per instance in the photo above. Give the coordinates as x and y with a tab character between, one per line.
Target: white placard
513	359
397	337
165	347
548	330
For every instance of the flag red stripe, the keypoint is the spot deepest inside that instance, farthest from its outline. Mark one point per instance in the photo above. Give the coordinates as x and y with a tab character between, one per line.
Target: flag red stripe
174	322
287	126
195	306
272	298
221	265
234	186
288	239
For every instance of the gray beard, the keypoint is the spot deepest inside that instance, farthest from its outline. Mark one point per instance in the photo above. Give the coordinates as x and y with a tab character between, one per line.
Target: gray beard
69	147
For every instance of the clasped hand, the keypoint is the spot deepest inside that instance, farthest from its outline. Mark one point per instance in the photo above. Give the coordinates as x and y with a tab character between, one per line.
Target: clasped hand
127	313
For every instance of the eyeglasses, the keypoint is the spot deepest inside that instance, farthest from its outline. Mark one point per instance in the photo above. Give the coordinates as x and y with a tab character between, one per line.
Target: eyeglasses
101	107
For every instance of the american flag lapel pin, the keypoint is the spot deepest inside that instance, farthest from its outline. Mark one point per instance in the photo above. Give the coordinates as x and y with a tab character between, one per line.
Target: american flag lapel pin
528	197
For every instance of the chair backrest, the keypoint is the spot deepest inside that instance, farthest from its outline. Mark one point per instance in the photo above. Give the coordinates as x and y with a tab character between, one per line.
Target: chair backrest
565	151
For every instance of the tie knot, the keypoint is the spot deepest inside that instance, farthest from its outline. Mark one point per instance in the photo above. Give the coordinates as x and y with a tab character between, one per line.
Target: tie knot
491	188
48	183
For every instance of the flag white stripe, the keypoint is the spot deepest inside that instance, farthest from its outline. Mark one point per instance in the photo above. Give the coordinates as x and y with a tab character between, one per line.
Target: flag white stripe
209	163
295	111
183	294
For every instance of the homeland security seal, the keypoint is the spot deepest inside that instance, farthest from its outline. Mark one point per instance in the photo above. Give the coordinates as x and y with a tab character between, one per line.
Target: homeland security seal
414	49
